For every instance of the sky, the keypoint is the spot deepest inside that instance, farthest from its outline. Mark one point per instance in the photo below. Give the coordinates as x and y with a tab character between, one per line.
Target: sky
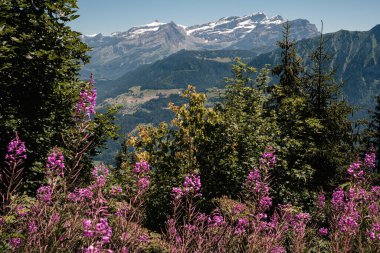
107	16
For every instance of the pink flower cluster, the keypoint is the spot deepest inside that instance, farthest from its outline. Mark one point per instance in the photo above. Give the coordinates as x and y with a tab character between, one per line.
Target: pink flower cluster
215	220
55	162
241	226
116	190
358	169
100	173
370	159
268	158
374	232
323	231
141	169
259	189
355	170
191	186
81	194
44	193
87	99
300	221
102	229
16	150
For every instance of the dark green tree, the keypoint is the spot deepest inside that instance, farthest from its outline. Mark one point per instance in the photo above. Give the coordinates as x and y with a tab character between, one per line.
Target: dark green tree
40	57
374	130
333	140
242	134
290	70
315	138
289	102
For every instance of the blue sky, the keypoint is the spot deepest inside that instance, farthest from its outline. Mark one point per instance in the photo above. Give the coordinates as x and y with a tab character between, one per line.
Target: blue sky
108	16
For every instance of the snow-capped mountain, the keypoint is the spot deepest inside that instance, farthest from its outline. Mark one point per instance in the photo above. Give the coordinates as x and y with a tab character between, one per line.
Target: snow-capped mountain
232	28
114	55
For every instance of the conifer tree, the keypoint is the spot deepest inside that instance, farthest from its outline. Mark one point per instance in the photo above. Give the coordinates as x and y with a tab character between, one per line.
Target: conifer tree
374	131
290	69
290	107
333	138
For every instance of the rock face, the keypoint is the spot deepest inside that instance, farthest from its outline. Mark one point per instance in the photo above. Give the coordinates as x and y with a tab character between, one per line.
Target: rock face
265	35
115	55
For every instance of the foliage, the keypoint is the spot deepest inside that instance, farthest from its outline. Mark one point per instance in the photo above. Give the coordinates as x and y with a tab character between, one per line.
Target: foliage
373	132
40	58
173	151
314	138
104	217
219	144
334	140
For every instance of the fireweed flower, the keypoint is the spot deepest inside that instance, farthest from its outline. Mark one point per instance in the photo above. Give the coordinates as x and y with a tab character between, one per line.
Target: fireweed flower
348	224
81	194
92	249
355	170
87	99
32	227
303	216
238	208
215	220
279	249
265	202
141	167
323	231
100	174
253	176
370	159
116	190
268	158
85	193
143	183
349	221
15	150
104	230
44	193
373	209
21	211
337	200
300	221
14	242
55	162
192	184
241	226
321	201
87	228
374	232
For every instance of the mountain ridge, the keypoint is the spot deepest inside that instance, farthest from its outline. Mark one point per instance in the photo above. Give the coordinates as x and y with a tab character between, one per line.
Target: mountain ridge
115	55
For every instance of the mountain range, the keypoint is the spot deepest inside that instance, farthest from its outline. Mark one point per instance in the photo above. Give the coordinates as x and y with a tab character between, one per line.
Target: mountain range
121	52
355	58
144	89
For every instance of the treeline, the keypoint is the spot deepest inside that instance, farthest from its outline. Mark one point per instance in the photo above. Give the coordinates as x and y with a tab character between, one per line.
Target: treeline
302	116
